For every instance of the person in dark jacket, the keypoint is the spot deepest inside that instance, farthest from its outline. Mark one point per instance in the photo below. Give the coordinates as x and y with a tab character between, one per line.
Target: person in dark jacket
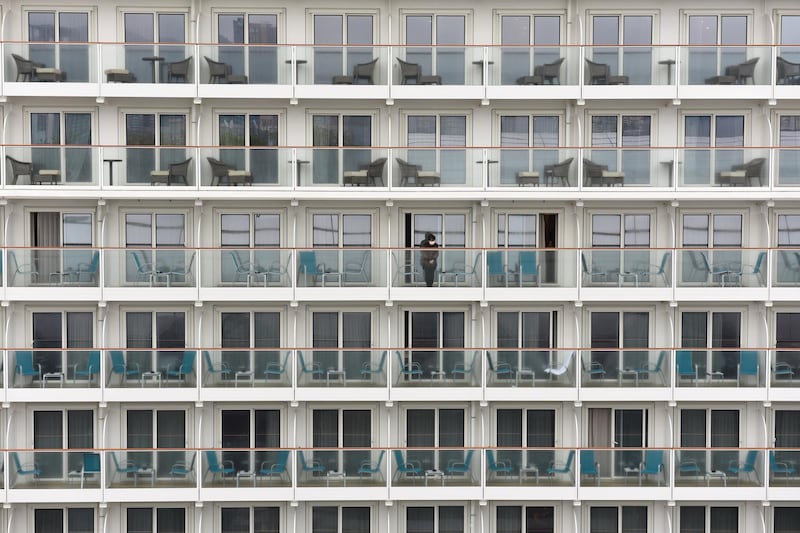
429	257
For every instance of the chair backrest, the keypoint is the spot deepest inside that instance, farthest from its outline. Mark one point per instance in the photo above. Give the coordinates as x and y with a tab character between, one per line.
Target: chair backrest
489	361
748	68
786	69
187	364
552	69
750	460
683	360
407	170
584	265
704	265
116	461
375	169
561	170
661	356
597	70
753	168
748	362
180	68
180	169
653	459
25	360
138	261
209	364
24	66
399	459
308	261
382	362
17	463
759	262
490	460
409	70
216	68
283	458
365	70
94	264
592	169
303	365
570	457
468	458
303	463
380	460
587	461
494	263
218	168
568	361
93	364
19	168
117	361
91	462
211	459
665	262
773	463
527	262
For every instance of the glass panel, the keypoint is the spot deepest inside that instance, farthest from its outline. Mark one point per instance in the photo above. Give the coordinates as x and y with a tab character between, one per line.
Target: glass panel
139	28
170	433
540	520
789	136
42	28
605	31
48	521
515	60
703	58
634	519
266	519
546	31
140	130
236	434
139	520
450	59
693	519
603	520
328	60
724	520
325	162
230	30
48	434
80	520
419	520
263	162
78	159
637	61
74	28
359	31
451	519
263	29
419	31
171	520
636	163
235	519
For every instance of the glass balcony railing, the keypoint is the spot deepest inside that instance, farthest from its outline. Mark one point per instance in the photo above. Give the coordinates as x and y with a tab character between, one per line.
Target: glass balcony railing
340	267
254	267
248	166
148	62
438	65
60	267
723	167
527	65
242	467
151	368
52	165
56	367
335	367
436	467
629	65
784	367
332	64
439	167
628	267
719	467
721	367
50	469
624	466
722	267
627	167
341	167
531	167
150	267
725	65
149	468
625	368
436	367
530	367
247	368
784	467
341	467
71	62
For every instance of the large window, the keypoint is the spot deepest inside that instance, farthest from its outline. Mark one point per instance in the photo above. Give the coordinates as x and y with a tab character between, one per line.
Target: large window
163	133
624	519
789	152
70	520
526	428
435	428
333	519
445	36
716	37
708	428
611	330
244	140
155	340
251	428
698	519
70	135
788	261
625	236
634	59
785	519
518	33
253	239
436	340
703	331
722	234
251	341
250	519
145	233
159	35
156	428
52	331
57	430
342	231
347	335
441	519
156	520
525	519
69	33
527	131
787	336
614	142
341	428
619	429
62	250
436	143
354	30
253	33
525	339
334	138
713	144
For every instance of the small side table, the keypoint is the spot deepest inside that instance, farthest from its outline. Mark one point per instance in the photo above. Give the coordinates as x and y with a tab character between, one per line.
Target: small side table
336	476
525	471
244	375
668	63
152	377
111	169
717	474
525	373
632	470
53	376
144	472
433	475
246	474
628	372
49	176
438	375
153	60
336	375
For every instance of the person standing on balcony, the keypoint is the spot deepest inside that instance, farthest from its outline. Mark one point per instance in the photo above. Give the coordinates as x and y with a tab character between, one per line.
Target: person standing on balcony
428	257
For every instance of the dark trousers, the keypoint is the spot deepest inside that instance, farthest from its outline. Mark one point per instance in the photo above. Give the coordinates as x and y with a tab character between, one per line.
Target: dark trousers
429	270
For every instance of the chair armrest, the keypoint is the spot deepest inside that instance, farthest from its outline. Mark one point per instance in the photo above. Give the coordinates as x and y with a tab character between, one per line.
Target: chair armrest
228	462
414	365
782	365
504	366
597	365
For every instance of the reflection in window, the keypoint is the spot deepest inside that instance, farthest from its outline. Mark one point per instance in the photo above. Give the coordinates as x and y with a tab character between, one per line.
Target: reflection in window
448	34
259	63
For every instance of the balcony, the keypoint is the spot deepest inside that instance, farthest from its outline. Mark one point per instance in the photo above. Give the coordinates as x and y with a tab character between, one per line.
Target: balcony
151	468
625	368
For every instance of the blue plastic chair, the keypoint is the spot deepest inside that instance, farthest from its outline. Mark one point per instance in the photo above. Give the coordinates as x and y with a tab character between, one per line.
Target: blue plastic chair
501	369
565	468
223	370
590	467
307	261
91	465
648	369
185	368
496	269
462	370
748	467
368	369
368	468
411	369
277	468
26	469
128	467
777	467
408	469
25	365
89	270
596	368
684	366
748	366
314	371
782	368
277	370
314	467
118	366
91	369
528	266
653	465
182	469
497	468
215	467
461	468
